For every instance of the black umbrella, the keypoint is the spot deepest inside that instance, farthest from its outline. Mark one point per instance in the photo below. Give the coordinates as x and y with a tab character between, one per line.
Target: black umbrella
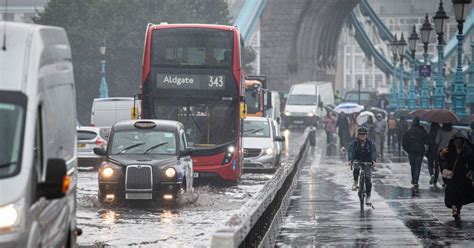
401	112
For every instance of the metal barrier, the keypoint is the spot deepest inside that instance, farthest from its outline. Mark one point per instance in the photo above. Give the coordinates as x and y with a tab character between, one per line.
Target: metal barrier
258	221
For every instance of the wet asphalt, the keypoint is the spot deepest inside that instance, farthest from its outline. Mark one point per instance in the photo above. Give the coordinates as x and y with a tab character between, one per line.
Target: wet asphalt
324	211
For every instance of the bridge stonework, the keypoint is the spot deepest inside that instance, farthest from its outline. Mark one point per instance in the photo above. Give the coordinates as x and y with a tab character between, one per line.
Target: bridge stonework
299	40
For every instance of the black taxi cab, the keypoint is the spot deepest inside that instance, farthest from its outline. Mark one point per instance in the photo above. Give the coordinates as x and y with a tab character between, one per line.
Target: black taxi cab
145	160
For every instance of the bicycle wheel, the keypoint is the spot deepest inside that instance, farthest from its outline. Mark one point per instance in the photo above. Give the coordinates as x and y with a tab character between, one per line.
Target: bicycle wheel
362	189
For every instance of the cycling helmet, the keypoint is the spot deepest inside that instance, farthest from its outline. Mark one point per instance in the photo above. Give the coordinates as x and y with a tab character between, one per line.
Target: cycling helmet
362	130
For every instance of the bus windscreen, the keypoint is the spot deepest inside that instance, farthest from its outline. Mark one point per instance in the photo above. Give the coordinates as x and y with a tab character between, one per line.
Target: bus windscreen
192	47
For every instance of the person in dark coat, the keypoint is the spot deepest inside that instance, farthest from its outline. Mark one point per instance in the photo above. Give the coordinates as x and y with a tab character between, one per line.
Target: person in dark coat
460	160
402	128
413	143
432	153
342	124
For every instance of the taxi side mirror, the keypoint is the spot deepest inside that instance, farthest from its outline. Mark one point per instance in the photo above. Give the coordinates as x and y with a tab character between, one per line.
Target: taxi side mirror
186	152
100	151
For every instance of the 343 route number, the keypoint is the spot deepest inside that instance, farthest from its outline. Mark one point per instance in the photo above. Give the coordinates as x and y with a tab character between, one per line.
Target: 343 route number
216	81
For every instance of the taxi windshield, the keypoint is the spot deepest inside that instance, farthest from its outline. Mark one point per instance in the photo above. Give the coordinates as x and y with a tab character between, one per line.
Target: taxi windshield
143	142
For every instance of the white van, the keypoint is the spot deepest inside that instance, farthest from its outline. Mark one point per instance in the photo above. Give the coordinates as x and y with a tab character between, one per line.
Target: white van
107	111
305	104
38	163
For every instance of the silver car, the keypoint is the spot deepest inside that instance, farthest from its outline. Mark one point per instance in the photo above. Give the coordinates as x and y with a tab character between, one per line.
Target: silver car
89	138
262	144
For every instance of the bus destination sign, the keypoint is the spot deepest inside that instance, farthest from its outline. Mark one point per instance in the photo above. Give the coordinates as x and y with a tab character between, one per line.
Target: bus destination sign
190	81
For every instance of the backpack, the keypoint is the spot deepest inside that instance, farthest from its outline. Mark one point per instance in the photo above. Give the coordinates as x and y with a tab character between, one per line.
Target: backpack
392	124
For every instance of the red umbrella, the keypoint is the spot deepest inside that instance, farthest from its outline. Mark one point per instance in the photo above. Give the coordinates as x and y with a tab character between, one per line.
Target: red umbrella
441	116
419	113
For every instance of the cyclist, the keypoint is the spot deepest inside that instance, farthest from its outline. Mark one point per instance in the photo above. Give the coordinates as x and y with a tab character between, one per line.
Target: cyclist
363	150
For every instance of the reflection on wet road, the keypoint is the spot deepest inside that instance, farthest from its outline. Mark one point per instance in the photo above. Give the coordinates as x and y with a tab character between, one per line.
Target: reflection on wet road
189	223
325	211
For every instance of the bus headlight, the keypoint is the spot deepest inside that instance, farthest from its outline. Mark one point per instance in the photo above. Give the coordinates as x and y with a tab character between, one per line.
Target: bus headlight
228	154
107	172
170	172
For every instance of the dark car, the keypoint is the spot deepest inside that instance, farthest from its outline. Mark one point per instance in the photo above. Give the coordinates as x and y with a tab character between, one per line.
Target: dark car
367	98
145	160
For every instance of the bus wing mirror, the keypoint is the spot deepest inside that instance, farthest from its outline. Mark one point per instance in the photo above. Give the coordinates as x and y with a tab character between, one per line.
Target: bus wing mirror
269	100
243	110
57	181
137	96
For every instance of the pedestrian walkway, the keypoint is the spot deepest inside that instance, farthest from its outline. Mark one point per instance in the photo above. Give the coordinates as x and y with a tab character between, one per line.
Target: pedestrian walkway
325	211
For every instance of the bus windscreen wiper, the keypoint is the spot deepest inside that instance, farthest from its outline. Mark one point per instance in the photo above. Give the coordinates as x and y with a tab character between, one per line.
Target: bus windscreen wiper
7	164
192	117
129	147
155	146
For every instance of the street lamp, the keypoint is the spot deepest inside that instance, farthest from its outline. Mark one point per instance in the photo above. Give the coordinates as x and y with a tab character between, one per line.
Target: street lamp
439	22
401	53
425	39
394	48
103	87
470	84
412	93
461	8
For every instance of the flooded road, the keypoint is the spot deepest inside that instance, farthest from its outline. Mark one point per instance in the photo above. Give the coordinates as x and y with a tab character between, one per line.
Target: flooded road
191	222
325	211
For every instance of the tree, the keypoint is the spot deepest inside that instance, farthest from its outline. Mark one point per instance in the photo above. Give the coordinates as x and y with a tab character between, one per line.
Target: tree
122	24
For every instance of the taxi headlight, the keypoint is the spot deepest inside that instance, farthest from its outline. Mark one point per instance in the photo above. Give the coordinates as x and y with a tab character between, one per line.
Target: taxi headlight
107	172
170	172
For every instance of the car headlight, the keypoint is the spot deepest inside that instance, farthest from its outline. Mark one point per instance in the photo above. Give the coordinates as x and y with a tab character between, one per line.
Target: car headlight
170	172
268	151
107	172
287	113
10	216
310	114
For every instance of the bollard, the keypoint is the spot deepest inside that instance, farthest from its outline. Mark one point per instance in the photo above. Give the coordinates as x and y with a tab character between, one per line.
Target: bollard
312	136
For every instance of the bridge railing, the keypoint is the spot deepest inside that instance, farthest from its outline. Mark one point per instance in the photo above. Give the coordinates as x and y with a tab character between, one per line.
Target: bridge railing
258	221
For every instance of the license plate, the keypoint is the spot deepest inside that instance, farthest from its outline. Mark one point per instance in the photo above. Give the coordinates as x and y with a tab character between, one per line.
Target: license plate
195	174
138	196
81	145
298	122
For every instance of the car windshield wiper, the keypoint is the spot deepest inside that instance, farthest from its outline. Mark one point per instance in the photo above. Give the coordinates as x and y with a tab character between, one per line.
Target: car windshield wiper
155	146
129	147
248	130
8	163
258	130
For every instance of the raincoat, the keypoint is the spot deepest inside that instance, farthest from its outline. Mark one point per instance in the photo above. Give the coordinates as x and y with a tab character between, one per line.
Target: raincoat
459	188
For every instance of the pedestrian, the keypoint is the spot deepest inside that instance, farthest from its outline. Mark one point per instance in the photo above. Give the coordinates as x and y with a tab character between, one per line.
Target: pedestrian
337	97
432	153
413	143
471	139
342	125
329	126
443	136
370	124
392	130
353	127
380	130
402	128
459	160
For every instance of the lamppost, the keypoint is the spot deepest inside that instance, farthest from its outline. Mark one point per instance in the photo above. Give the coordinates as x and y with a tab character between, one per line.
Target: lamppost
358	85
394	48
439	22
412	92
425	39
103	87
461	9
470	84
401	91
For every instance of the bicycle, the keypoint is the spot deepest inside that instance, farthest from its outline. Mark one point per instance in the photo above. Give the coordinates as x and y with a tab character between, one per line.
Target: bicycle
361	190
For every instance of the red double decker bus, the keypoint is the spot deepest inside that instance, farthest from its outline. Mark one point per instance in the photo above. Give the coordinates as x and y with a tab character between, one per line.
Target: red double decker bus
192	73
